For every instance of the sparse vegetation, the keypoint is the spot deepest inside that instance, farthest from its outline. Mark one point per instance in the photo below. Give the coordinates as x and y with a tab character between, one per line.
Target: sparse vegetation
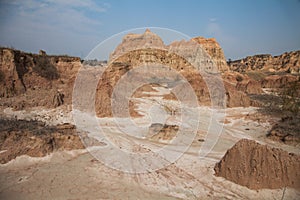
283	101
94	62
239	78
2	76
290	96
258	76
45	68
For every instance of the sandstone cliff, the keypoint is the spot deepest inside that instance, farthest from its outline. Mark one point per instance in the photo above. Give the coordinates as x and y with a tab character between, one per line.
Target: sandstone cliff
133	42
214	49
188	58
151	40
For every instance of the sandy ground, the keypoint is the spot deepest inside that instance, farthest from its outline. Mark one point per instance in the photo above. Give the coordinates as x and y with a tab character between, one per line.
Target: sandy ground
79	175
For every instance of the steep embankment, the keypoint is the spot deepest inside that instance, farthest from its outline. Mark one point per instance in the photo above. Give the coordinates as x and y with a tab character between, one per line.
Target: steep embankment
29	80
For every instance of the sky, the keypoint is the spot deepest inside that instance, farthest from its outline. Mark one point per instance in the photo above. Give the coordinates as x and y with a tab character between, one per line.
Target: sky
75	27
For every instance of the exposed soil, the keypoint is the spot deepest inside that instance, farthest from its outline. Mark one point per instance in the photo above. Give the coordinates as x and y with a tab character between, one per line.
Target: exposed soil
33	138
257	166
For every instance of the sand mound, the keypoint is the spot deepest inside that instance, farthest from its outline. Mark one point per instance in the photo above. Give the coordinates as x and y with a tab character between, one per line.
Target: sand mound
257	166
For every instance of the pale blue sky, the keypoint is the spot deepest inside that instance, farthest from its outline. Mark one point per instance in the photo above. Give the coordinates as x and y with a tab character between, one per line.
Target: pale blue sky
75	27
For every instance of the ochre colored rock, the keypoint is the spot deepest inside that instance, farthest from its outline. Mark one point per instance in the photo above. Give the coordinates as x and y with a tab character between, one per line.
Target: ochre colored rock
257	166
23	86
214	49
287	62
20	137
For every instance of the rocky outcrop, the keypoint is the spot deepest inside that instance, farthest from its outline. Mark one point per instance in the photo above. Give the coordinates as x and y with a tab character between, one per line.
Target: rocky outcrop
287	62
257	166
148	39
29	80
213	48
133	42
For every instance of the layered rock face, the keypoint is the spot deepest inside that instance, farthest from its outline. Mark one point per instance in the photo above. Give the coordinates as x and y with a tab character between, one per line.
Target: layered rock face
257	166
287	62
187	58
213	48
150	40
133	42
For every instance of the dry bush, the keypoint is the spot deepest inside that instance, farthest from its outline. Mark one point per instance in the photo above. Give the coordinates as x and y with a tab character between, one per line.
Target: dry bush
2	76
45	68
290	96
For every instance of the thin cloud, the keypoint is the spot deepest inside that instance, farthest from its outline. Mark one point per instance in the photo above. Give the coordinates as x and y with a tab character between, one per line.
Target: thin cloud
87	4
57	10
71	15
213	19
47	24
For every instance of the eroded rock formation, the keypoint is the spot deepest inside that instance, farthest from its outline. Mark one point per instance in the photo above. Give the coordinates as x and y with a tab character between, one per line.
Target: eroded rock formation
288	62
29	80
257	166
213	48
188	58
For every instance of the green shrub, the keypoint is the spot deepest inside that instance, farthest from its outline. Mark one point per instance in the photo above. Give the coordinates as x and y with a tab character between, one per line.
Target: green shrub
45	68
